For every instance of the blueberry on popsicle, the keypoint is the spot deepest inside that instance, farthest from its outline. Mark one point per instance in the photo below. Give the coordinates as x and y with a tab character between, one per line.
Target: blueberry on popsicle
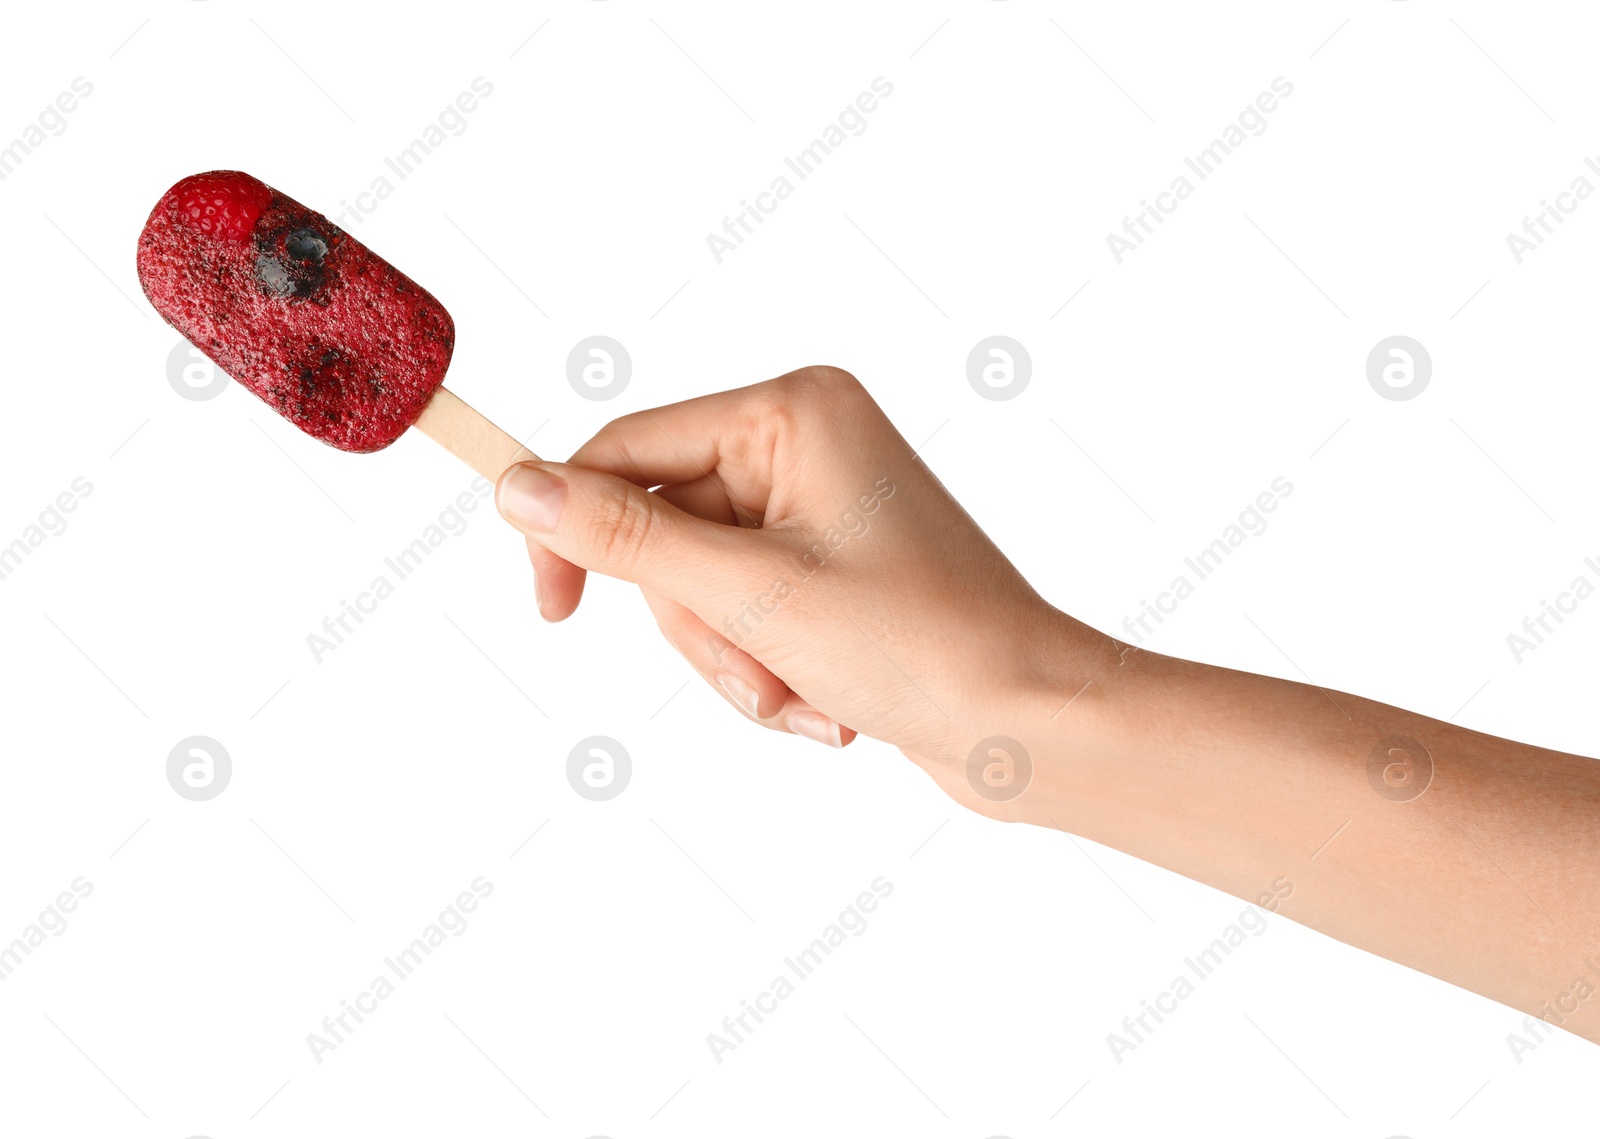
327	333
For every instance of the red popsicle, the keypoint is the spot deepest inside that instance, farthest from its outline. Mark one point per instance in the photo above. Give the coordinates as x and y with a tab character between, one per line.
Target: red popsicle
330	335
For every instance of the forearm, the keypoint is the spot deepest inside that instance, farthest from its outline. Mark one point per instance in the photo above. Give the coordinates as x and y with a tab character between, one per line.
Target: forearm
1484	871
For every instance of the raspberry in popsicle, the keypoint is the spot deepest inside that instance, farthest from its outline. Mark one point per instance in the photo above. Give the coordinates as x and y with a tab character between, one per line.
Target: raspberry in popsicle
334	338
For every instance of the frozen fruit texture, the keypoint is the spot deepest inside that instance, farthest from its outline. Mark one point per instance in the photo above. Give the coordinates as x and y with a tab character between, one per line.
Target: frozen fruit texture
334	338
222	207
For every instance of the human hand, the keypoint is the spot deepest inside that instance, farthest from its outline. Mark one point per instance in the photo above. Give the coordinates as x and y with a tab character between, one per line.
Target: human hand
802	558
807	564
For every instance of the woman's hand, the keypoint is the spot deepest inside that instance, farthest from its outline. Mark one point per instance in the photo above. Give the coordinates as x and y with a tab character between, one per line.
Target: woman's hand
809	566
803	559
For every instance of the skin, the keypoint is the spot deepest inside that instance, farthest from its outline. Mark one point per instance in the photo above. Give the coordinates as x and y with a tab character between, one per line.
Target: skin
1468	857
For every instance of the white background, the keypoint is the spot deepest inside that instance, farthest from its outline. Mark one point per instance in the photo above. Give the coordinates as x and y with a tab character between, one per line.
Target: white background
369	789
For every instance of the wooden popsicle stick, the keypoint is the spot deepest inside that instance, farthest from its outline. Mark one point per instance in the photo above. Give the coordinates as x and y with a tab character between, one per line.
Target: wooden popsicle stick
455	426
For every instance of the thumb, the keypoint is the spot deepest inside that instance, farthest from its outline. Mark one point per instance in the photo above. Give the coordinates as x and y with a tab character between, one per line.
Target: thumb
612	526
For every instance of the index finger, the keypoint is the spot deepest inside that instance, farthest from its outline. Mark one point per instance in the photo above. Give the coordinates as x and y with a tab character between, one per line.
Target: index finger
678	443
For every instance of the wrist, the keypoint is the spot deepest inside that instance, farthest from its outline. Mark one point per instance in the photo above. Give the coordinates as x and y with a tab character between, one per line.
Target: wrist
1055	728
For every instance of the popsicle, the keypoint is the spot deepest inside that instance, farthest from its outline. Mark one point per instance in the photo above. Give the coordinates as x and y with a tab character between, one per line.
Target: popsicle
327	333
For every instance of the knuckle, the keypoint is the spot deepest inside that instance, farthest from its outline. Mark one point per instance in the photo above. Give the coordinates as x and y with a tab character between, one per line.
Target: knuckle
805	396
825	380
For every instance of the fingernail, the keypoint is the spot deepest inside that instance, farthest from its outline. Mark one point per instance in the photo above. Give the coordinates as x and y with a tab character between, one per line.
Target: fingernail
815	727
531	496
740	693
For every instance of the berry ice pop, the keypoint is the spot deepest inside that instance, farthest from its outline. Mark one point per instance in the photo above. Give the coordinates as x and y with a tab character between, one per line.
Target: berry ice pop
330	335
